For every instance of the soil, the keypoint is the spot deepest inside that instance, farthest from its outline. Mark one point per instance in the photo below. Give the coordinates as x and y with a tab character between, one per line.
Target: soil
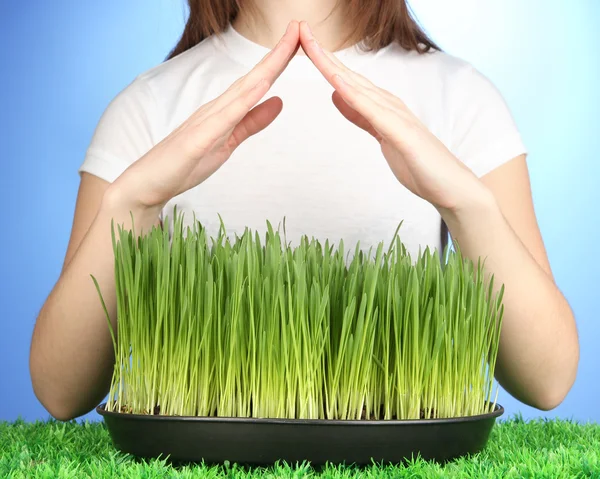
422	415
127	410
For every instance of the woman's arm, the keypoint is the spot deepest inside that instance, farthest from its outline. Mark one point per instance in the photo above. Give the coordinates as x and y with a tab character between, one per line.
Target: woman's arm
539	348
491	218
71	357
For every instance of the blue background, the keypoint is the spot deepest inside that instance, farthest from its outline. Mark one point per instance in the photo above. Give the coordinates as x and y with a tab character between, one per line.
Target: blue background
63	61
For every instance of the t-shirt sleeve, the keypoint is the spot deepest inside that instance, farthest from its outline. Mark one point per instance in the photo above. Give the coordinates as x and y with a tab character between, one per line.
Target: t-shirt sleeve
123	133
484	134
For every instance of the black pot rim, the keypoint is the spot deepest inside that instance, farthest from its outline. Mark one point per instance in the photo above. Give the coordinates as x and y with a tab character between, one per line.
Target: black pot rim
498	411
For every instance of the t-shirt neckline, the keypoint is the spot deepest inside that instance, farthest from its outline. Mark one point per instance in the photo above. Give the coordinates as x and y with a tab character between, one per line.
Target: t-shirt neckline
249	53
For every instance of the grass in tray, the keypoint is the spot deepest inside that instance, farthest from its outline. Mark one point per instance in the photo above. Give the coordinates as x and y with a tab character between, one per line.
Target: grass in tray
253	327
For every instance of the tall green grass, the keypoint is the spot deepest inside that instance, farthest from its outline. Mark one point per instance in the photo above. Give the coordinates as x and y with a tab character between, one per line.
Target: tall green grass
249	328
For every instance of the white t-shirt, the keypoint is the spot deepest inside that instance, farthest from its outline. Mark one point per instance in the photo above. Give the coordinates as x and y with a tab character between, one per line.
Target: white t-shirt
327	177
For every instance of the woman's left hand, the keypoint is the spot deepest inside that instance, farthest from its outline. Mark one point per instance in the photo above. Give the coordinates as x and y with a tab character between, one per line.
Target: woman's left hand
417	158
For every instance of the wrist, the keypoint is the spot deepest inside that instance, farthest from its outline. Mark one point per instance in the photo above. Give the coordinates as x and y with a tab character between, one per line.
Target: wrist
119	206
475	203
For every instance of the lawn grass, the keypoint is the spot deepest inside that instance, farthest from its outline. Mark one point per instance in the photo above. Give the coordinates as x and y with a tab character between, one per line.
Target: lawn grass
537	449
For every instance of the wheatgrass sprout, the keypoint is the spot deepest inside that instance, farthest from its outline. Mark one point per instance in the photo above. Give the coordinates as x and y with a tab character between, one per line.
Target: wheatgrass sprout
244	328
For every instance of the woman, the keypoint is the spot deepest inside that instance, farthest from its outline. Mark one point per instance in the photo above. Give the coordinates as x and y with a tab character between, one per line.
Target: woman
440	148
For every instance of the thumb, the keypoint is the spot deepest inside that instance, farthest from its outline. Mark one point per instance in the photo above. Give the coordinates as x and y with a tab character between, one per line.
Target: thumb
352	115
255	120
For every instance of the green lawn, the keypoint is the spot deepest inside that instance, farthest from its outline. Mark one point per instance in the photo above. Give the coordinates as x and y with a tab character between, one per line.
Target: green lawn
517	449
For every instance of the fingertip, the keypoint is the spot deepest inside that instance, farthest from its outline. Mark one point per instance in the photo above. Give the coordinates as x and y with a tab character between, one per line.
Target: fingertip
338	101
306	27
293	27
278	102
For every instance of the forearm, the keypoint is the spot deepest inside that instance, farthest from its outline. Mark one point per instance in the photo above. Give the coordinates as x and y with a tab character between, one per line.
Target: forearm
71	358
539	352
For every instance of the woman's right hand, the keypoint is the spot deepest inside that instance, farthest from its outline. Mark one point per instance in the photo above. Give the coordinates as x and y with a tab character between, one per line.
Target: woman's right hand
199	146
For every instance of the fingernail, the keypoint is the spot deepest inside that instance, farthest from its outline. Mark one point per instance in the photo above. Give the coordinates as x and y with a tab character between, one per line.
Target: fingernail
288	27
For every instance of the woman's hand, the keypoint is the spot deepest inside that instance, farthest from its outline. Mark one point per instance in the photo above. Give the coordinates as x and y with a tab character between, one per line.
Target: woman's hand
198	147
417	158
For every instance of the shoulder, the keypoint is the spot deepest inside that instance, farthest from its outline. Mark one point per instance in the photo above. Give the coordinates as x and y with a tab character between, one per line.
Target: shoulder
180	68
171	91
460	104
168	93
436	69
162	80
459	88
440	61
138	111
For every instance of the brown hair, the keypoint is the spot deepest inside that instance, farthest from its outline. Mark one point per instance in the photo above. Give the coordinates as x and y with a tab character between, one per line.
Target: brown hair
376	22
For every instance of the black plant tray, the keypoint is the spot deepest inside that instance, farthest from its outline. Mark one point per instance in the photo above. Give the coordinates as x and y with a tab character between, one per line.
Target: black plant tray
262	442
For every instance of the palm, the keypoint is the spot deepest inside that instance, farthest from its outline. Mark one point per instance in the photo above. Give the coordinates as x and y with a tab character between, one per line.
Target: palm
417	158
201	144
390	151
255	120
